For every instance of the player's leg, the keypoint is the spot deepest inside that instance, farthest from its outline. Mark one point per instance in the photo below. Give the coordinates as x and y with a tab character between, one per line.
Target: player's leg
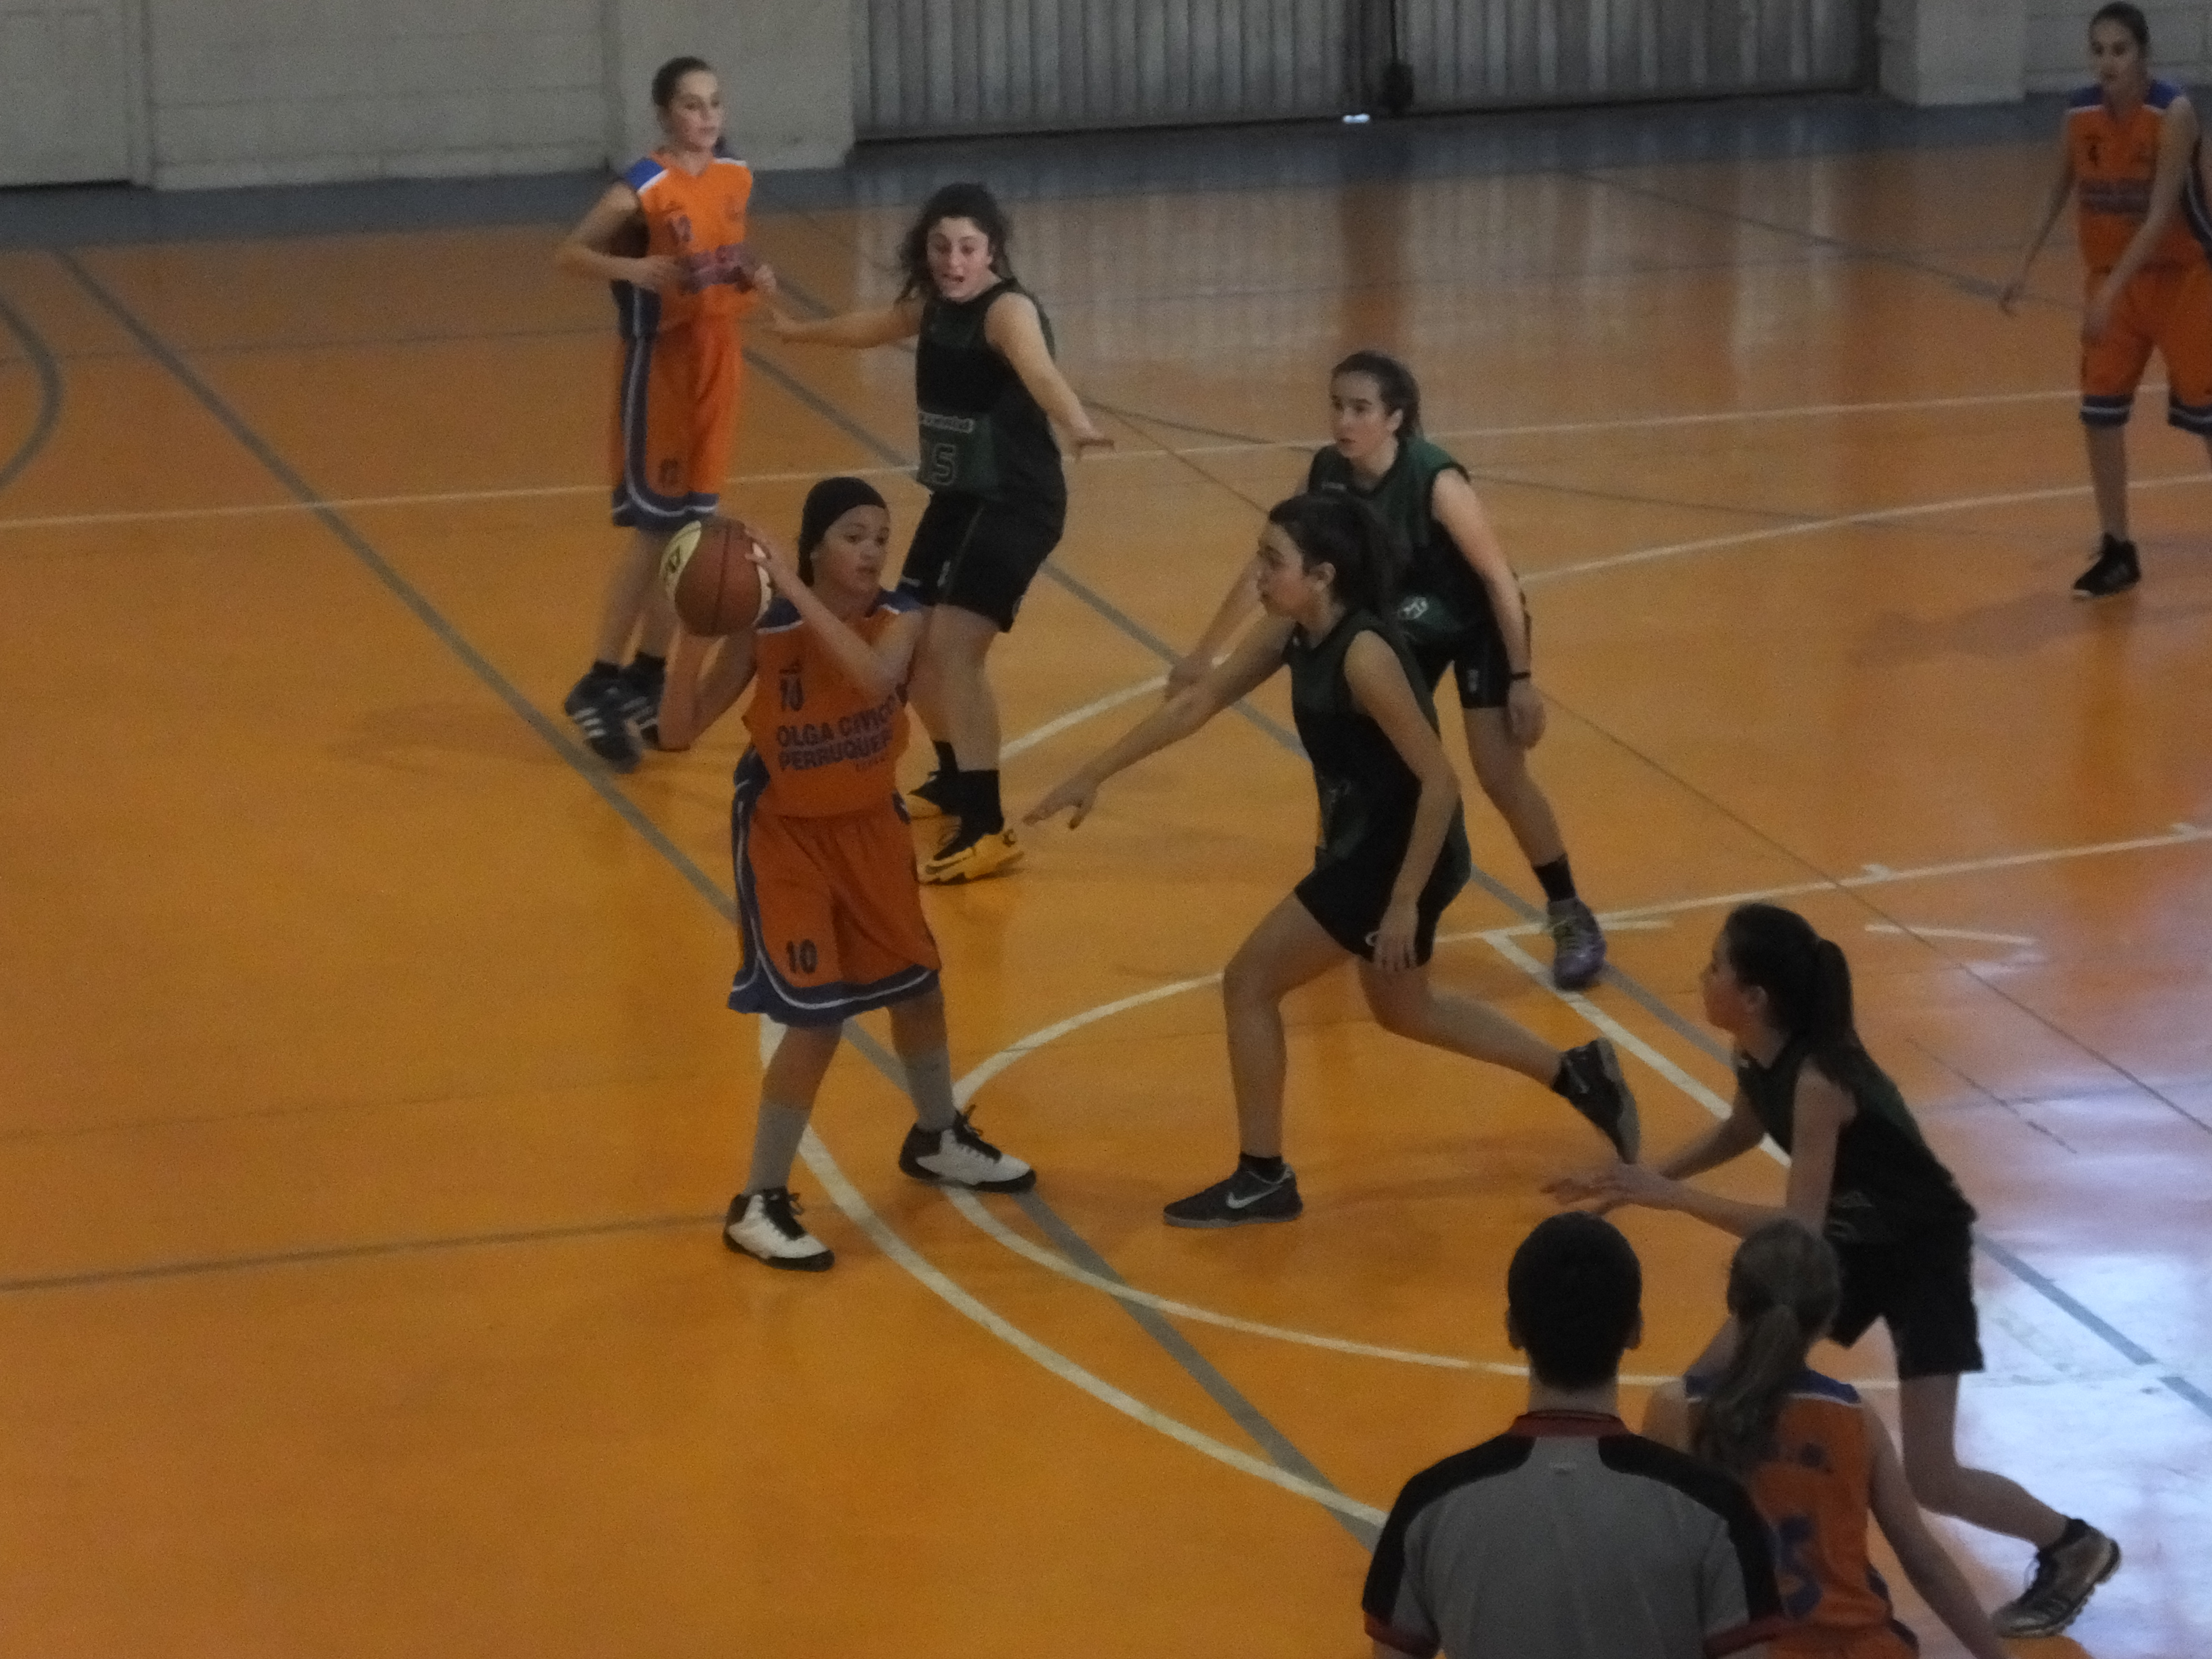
1406	1003
2111	367
764	1217
984	583
944	1147
2184	340
1501	768
943	523
1288	949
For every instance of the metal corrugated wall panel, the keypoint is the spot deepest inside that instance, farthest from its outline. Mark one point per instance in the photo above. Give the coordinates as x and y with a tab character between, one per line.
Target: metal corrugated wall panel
951	66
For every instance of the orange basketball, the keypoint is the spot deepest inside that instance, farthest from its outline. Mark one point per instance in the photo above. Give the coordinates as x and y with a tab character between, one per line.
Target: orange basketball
711	578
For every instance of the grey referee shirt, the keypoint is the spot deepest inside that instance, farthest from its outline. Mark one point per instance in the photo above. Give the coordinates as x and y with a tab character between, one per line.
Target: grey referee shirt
1567	1537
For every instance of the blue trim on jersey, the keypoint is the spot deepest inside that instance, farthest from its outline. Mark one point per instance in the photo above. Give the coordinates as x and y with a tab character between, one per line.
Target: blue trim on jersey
2161	95
758	989
780	615
2089	97
642	172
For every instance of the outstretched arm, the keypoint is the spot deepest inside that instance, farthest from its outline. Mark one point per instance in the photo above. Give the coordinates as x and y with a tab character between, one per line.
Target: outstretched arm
1259	654
1012	327
2061	187
855	330
1236	604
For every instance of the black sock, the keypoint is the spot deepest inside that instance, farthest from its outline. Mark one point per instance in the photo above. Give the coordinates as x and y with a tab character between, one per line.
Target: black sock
1268	1169
2116	547
948	763
1559	880
2076	1530
645	668
604	670
980	813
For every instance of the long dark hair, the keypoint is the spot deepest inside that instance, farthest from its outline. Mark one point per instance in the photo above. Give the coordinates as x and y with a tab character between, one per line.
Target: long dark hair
670	76
1783	1288
1400	392
1807	985
1343	531
964	201
2130	18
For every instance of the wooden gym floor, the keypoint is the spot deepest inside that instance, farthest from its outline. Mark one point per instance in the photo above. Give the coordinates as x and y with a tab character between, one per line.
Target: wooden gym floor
369	1104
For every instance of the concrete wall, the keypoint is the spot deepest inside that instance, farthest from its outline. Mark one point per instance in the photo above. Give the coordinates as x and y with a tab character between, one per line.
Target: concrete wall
286	91
2180	44
1953	52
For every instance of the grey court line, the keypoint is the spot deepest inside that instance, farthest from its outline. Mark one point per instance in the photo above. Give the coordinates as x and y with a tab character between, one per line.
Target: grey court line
1641	994
43	364
1281	1449
313	1256
1247	1416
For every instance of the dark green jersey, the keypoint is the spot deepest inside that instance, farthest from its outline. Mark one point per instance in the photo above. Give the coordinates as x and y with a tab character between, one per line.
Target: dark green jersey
982	434
1888	1185
1367	793
1435	570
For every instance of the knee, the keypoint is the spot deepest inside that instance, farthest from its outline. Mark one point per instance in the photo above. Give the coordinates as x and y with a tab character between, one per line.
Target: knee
1400	1016
1933	1482
1246	983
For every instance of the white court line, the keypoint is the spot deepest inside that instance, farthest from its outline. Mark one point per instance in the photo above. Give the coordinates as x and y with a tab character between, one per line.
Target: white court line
2180	834
1053	728
164	515
1913	930
1814	527
857	1209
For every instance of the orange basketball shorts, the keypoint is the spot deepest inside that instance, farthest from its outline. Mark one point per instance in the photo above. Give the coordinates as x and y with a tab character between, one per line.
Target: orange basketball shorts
828	911
2168	306
676	413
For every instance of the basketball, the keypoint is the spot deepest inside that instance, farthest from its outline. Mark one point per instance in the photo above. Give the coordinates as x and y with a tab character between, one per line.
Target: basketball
711	578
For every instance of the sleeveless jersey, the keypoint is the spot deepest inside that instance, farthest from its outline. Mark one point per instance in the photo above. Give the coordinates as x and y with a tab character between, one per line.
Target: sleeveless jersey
2114	162
982	434
1813	1487
1367	793
1888	1185
829	746
1452	597
698	222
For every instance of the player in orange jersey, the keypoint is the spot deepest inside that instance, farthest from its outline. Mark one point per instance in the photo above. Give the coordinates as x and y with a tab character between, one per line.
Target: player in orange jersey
2129	146
669	236
1817	1461
829	910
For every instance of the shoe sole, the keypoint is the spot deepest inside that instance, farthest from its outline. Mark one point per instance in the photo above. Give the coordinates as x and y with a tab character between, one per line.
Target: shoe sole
1215	1223
1632	1127
2080	1608
919	809
2111	594
1020	1183
953	877
800	1264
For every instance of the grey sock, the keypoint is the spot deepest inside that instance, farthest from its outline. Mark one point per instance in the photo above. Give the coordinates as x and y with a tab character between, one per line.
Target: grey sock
929	1081
776	1135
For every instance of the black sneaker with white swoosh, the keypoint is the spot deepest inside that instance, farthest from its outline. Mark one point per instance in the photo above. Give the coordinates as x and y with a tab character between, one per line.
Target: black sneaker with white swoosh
1243	1197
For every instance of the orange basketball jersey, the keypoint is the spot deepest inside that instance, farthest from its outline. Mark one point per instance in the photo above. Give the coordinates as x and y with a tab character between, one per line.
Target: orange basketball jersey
701	223
829	745
2114	162
1813	1487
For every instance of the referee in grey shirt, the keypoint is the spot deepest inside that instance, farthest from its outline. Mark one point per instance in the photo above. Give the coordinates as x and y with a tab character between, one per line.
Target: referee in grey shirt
1567	1537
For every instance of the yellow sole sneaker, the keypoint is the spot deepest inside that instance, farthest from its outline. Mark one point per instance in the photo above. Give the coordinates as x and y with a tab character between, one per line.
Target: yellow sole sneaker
992	855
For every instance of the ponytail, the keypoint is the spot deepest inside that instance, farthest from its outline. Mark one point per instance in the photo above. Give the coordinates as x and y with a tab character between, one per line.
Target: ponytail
1783	1289
1807	985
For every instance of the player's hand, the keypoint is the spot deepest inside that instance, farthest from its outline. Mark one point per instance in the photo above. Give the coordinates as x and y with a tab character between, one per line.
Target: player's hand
1088	437
1394	940
1189	672
660	272
758	277
1078	792
1608	1186
773	562
1525	712
2097	316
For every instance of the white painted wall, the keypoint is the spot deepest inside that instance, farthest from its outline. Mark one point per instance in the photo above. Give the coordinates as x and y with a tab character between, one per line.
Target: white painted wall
2058	43
1953	52
255	92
